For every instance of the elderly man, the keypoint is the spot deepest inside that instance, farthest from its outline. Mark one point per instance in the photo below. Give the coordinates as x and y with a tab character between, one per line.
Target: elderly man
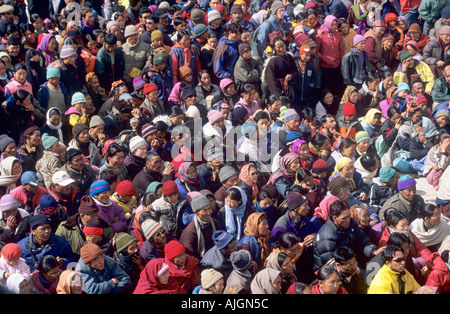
373	44
411	69
441	89
136	54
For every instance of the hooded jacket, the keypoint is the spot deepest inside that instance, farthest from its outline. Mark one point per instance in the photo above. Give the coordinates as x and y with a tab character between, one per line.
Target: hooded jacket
225	58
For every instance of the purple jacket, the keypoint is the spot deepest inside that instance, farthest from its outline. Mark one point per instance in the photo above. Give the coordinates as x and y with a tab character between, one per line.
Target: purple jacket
111	211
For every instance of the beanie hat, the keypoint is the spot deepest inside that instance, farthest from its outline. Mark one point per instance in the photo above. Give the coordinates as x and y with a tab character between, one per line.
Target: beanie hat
199	202
243	48
96	121
236	8
136	142
310	5
138	83
48	205
89	252
156	34
387	37
197	15
241	260
415	27
357	39
130	30
222	239
188	91
348	109
48	141
443	113
199	30
148	129
310	42
226	173
125	188
445	30
294	200
249	129
5	140
173	249
150	87
123	240
39	220
390	17
53	72
319	166
421	99
8	202
406	182
67	51
290	114
149	228
159	58
213	15
338	185
445	13
402	87
304	49
111	24
361	136
224	83
214	115
77	98
170	187
87	206
276	5
209	277
93	227
405	54
185	70
387	174
98	187
12	251
291	137
78	128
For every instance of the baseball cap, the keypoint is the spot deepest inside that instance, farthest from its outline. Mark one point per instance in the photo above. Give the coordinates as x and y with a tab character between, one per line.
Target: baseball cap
30	178
62	178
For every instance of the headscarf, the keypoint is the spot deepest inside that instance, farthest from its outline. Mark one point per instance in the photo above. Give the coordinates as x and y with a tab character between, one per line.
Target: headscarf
149	281
323	211
182	174
341	164
272	262
43	46
65	281
136	218
58	127
368	118
6	177
326	27
231	213
244	176
284	163
251	229
13	282
263	281
5	54
428	129
296	149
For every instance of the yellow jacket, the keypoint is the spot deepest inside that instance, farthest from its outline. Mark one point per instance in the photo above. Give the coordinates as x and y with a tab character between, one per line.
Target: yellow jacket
422	69
386	282
128	208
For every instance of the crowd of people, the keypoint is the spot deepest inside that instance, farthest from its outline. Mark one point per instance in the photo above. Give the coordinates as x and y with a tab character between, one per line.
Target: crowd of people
224	147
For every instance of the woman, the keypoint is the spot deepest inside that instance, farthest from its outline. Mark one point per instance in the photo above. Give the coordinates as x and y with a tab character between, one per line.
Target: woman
181	54
361	215
346	169
371	123
114	158
387	81
54	126
437	160
206	91
347	148
283	263
188	179
314	191
415	34
257	237
264	204
352	95
30	38
267	281
330	50
69	283
273	108
326	105
5	75
45	277
322	212
249	181
429	227
155	279
363	145
19	81
284	177
328	282
212	282
81	141
389	130
36	73
10	172
48	48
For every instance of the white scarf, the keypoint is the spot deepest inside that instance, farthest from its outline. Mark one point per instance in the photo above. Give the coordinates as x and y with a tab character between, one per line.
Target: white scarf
6	177
58	127
432	236
200	238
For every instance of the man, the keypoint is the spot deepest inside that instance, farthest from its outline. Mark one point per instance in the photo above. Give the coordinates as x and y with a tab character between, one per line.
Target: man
418	88
156	239
373	44
30	192
53	93
356	64
165	26
349	272
110	62
444	20
411	69
291	124
336	8
434	52
7	18
88	23
136	55
42	241
237	16
228	177
72	75
393	278
200	37
65	192
135	160
15	222
79	171
329	128
441	89
227	54
98	94
340	229
133	12
151	24
407	200
158	74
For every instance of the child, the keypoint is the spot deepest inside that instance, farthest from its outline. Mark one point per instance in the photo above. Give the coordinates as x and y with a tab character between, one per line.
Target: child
383	187
394	30
349	125
125	197
93	232
12	263
241	275
367	165
438	160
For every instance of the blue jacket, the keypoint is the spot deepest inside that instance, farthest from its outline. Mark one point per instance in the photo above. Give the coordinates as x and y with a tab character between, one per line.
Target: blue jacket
254	246
43	95
286	224
182	188
307	84
262	34
225	58
336	8
56	246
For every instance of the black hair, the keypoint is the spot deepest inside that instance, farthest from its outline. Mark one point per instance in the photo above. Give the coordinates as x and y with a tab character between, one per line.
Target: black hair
302	174
174	8
248	88
261	115
308	114
392	111
27	27
343	254
110	175
288	240
325	272
346	143
114	149
71	153
182	33
393	217
175	111
389	252
325	92
300	287
11	28
386	74
325	118
262	195
20	95
71	41
161	126
13	40
319	139
371	78
178	21
426	210
337	207
281	257
234	194
46	263
150	155
34	17
144	216
443	136
272	99
397	239
285	101
134	3
368	161
110	39
233	28
144	10
342	21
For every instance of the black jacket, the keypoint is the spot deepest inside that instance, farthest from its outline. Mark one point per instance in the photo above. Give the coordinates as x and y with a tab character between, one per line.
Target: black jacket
351	68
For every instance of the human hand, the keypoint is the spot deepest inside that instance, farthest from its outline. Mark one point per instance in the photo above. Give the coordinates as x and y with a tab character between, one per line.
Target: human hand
379	250
115	281
308	240
169	169
11	222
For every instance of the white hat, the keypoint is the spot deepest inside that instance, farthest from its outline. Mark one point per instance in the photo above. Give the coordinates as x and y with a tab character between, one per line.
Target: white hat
136	142
62	178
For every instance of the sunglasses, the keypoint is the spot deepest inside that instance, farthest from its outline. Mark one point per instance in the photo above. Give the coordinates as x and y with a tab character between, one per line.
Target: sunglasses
399	260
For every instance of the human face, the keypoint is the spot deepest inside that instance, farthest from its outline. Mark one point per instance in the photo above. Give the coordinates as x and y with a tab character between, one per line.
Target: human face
213	3
287	266
376	119
303	210
401	226
364	217
249	97
231	181
103	197
216	23
388	82
330	285
276	106
295	165
213	43
10	150
155	164
93	238
83	137
30	36
120	20
305	57
435	219
330	124
263	228
234	36
16	168
334	26
55	120
185	41
77	163
418	88
232	203
344	29
237	16
133	39
52	44
2	69
180	259
348	170
349	151
205	213
164	21
280	47
402	25
445	39
442	121
34	138
150	25
278	281
117	159
294	124
218	287
263	126
159	237
409	62
53	274
246	37
98	263
279	14
230	89
363	146
387	44
141	151
205	79
38	24
379	31
398	263
172	198
20	76
42	233
110	48
24	287
347	268
343	220
70	60
89	19
417	117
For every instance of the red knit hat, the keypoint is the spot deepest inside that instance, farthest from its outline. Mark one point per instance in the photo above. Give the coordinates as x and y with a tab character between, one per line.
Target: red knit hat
304	49
170	188
348	109
148	88
319	166
421	99
11	251
390	17
125	188
173	249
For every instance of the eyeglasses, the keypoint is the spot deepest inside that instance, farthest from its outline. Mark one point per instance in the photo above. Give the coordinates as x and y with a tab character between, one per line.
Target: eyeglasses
160	234
399	260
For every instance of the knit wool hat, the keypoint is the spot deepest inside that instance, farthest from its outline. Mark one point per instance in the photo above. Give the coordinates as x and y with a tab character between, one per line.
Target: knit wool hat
415	27
295	200
291	137
67	51
39	220
338	185
78	128
222	239
226	173
199	202
241	260
147	130
89	252
276	5
159	58
87	206
304	50
188	91
130	30
224	83
243	48
8	202
123	240
348	109
48	205
173	249
96	121
290	114
5	140
199	30
236	8
150	87
387	174
197	15
170	187
136	142
185	70
361	136
310	42
53	72
387	37
156	34
405	54
125	188
405	182
213	15
150	227
48	141
214	115
443	113
310	5
12	251
78	98
390	17
357	39
320	166
402	87
209	277
138	83
445	30
445	13
98	187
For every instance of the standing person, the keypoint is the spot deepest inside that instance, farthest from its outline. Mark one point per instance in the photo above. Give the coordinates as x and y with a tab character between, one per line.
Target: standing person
373	44
110	62
226	54
356	64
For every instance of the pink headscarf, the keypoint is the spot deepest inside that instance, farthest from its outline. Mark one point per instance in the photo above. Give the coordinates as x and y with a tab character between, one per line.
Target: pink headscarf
284	163
323	211
326	27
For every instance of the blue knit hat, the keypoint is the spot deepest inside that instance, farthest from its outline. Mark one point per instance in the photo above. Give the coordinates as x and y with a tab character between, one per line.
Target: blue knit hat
406	182
48	141
98	187
387	174
291	137
222	239
402	86
78	98
39	220
53	72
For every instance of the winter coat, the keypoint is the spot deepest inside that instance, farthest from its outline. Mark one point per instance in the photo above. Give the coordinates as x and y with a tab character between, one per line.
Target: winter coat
440	91
22	229
285	224
169	215
409	209
246	72
436	157
386	281
434	51
20	195
176	60
72	203
307	83
225	58
351	68
137	56
330	49
70	77
134	165
145	177
213	258
373	48
261	34
422	69
190	238
277	69
380	193
104	69
43	96
46	166
110	212
83	179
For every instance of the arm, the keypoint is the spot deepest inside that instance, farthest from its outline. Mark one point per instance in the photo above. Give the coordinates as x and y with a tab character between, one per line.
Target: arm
219	61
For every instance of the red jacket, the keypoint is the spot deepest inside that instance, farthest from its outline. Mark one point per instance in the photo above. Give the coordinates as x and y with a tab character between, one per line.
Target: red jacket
417	247
315	290
19	195
407	5
439	275
330	49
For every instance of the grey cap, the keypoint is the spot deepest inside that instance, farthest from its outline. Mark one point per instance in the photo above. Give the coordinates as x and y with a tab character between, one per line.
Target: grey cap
226	172
241	260
199	202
